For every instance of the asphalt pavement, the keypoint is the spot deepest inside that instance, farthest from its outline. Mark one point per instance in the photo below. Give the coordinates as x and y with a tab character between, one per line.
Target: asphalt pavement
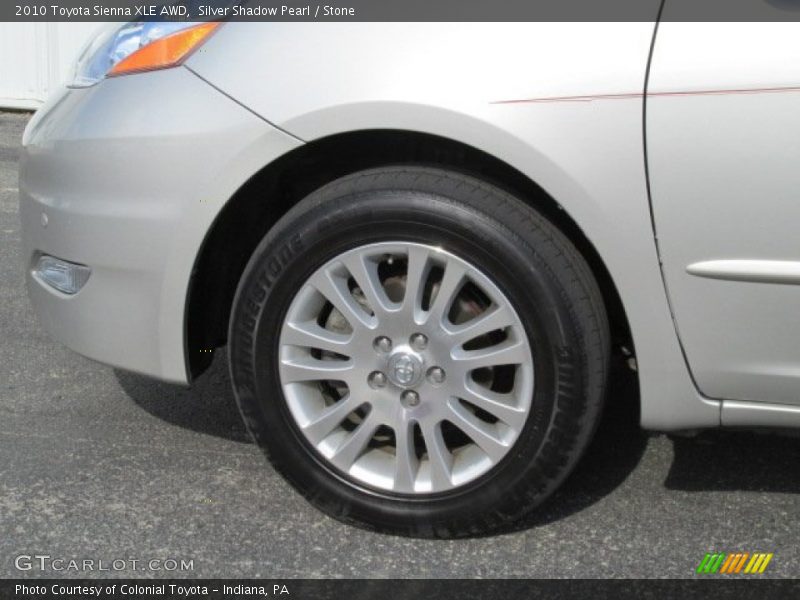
98	464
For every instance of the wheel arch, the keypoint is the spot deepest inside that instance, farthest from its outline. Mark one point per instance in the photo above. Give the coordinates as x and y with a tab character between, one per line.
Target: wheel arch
261	201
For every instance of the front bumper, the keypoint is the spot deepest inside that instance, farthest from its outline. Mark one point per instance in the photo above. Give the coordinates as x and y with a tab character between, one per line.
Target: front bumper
130	175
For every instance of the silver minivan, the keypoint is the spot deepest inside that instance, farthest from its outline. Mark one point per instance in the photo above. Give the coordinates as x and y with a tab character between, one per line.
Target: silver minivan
423	244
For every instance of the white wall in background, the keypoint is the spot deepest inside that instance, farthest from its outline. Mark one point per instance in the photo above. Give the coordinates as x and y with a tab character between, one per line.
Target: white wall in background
34	57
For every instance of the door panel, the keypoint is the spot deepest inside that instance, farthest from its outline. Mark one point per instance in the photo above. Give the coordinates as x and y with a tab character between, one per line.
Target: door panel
723	143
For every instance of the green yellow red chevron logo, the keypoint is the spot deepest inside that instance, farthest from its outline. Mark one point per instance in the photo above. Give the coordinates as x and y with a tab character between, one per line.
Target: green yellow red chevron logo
734	563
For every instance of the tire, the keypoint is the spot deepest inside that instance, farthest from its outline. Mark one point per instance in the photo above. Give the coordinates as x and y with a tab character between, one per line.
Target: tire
519	257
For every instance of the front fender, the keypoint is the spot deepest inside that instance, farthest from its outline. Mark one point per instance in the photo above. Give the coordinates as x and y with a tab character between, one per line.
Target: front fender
561	103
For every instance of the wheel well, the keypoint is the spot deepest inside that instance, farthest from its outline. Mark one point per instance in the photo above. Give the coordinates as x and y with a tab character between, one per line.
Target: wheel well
271	192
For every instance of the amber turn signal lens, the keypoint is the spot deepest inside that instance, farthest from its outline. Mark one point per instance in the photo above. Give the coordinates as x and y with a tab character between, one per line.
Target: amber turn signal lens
165	52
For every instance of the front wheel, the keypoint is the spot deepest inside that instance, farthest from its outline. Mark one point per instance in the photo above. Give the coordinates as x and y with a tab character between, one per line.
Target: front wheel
418	352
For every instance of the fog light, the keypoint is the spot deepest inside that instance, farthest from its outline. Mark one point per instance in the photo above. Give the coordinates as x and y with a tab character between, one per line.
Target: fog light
64	276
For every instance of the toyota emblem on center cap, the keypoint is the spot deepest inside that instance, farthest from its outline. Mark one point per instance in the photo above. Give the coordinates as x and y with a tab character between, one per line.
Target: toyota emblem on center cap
404	369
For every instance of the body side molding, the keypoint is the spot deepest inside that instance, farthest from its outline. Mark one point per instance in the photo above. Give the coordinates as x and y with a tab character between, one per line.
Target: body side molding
754	271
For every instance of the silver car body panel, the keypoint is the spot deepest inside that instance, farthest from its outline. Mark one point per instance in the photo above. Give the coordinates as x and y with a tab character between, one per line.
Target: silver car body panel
724	177
131	181
133	171
455	81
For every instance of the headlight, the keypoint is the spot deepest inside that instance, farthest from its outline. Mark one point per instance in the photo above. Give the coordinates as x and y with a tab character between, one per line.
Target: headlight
138	46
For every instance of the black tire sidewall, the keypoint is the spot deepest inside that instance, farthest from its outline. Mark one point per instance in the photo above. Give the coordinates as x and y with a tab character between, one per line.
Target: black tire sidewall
339	218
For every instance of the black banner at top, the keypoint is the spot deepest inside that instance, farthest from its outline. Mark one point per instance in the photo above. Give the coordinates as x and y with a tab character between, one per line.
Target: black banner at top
399	10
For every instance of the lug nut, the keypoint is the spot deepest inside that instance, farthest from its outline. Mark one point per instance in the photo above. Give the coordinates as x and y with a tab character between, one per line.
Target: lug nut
376	380
410	398
382	344
418	341
436	375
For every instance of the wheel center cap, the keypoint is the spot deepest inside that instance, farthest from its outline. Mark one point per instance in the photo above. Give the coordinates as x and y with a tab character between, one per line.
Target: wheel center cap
405	368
